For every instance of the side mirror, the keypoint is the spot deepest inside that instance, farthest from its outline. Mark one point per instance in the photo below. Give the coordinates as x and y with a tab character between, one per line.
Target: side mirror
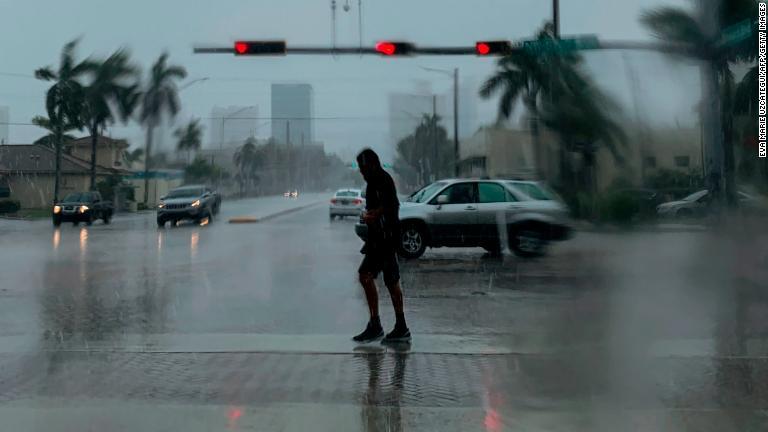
163	197
442	199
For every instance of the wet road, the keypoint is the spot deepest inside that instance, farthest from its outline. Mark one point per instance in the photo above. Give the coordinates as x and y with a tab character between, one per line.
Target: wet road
246	327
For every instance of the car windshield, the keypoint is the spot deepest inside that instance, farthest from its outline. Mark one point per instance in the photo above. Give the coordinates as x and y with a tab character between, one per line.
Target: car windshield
695	196
78	197
185	193
347	194
425	193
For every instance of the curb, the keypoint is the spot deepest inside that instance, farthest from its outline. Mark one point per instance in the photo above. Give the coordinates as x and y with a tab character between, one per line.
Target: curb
251	219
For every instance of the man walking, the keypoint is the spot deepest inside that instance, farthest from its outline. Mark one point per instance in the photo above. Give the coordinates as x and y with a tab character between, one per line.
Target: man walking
381	217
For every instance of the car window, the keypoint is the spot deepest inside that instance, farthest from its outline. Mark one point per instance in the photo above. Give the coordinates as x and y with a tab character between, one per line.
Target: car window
75	197
425	193
346	194
491	193
461	193
534	191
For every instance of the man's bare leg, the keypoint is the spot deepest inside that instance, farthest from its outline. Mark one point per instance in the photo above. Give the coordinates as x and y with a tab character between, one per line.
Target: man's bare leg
371	294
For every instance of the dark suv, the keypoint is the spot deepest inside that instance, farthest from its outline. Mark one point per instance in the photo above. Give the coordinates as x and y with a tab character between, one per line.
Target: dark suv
82	207
196	203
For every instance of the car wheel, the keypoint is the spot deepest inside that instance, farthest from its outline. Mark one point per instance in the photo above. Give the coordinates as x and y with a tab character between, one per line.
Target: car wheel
106	218
332	217
75	223
684	213
161	223
56	222
413	241
527	242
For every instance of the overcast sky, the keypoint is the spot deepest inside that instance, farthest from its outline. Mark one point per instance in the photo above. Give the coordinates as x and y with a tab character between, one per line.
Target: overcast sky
33	33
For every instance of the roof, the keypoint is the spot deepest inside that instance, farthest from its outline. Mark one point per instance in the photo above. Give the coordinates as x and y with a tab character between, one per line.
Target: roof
37	158
101	141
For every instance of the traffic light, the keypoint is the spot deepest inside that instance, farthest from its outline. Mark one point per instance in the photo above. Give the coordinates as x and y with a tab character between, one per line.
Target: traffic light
259	48
491	48
394	48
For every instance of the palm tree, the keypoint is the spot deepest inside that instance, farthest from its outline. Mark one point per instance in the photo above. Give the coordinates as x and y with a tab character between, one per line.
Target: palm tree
63	101
701	31
134	156
555	92
108	95
49	139
248	159
160	96
189	137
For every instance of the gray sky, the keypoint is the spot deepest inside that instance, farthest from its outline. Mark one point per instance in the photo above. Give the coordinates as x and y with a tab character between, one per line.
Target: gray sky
350	87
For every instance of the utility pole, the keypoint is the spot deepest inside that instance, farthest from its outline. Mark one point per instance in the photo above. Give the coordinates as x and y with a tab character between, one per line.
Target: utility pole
433	132
456	118
288	152
556	17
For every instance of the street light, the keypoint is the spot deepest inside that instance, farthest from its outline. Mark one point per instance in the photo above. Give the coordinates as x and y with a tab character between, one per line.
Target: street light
455	75
224	118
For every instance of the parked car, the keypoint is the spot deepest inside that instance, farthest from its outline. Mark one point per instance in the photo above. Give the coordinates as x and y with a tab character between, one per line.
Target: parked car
697	205
195	203
82	207
347	202
469	213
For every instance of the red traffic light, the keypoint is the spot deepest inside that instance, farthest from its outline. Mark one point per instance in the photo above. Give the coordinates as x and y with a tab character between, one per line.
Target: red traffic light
394	48
486	48
260	48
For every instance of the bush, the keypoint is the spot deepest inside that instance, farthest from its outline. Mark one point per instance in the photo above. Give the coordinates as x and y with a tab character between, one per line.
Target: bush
619	208
9	206
141	206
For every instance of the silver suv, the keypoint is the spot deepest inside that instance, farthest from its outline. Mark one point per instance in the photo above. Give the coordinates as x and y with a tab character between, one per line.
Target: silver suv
485	213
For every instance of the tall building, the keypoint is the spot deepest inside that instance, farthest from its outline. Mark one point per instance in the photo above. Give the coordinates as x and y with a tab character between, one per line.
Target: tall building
4	120
238	123
292	111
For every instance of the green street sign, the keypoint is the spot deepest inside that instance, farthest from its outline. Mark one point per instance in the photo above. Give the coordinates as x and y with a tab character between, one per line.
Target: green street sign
555	46
736	33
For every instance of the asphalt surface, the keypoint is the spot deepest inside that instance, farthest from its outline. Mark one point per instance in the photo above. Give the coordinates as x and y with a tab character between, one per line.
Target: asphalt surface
246	327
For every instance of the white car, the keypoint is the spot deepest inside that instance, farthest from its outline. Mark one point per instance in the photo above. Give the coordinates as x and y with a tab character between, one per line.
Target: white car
347	202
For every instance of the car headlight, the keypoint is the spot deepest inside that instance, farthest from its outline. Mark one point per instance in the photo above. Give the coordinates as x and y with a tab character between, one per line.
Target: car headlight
83	209
56	209
161	205
195	203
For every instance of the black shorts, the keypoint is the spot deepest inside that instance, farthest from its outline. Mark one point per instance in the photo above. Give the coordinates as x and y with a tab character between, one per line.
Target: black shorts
381	261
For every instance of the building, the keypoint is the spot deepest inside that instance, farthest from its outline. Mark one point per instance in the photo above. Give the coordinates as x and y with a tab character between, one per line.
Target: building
28	170
292	112
5	119
499	152
110	152
231	126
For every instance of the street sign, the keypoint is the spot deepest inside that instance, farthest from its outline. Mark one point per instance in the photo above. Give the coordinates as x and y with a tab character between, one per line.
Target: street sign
555	46
736	33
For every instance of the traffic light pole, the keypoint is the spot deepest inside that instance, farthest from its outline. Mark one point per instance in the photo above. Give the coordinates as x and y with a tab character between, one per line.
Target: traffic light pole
456	121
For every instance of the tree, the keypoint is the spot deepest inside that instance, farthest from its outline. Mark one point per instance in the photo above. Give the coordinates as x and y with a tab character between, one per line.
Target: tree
701	32
554	91
160	96
201	171
109	95
248	159
63	101
426	154
190	137
134	156
48	140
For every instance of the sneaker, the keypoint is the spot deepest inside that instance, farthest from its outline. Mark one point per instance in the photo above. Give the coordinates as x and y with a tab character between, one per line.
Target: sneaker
371	333
398	335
